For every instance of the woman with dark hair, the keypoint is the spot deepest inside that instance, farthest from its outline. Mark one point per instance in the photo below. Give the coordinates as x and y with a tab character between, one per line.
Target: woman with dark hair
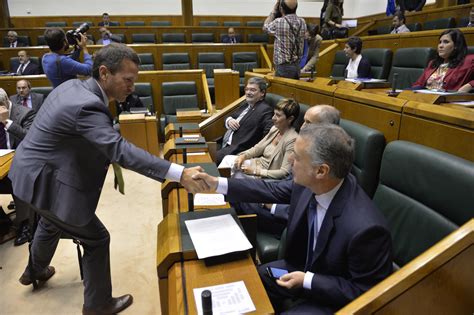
314	42
357	66
452	69
332	25
269	157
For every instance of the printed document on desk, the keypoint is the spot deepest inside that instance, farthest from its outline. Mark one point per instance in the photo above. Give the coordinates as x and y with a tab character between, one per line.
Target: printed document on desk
229	298
215	236
5	151
209	200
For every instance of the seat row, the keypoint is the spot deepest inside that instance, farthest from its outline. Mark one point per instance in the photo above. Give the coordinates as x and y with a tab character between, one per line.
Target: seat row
156	23
436	24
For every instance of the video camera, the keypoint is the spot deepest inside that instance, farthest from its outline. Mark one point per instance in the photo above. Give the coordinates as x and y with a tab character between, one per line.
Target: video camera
72	35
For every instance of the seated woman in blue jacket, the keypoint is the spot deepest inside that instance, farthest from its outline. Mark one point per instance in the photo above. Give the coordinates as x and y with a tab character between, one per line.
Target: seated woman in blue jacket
357	66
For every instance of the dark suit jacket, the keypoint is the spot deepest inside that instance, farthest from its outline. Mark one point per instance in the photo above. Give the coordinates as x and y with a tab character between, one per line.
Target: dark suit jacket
253	127
22	118
31	69
113	38
226	39
61	164
36	100
18	44
363	71
353	250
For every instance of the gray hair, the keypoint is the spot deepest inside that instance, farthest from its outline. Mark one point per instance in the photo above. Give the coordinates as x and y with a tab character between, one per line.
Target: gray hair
112	56
329	115
4	97
331	145
262	84
13	33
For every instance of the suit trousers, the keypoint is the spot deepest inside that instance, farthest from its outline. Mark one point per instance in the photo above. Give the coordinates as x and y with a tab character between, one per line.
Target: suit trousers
95	240
22	208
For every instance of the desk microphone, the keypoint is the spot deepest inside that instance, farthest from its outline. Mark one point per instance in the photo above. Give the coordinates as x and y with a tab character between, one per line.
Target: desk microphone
311	77
190	202
181	131
206	298
393	92
185	156
345	73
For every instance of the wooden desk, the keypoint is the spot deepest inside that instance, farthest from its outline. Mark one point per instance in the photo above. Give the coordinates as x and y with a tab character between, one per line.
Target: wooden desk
5	163
172	129
141	130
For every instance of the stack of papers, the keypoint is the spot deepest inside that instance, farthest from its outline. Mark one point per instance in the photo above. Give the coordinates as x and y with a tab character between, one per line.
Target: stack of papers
209	200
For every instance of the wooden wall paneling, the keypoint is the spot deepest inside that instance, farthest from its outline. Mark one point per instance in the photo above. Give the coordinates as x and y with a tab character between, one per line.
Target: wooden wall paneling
326	58
7	53
8	83
4	14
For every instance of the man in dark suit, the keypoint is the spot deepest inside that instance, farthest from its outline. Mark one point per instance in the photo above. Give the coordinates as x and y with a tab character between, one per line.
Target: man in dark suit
106	37
12	40
250	123
15	121
106	21
60	167
25	66
25	97
231	37
338	244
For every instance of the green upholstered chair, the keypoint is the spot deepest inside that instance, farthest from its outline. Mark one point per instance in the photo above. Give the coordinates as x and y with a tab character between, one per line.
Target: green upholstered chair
40	41
409	63
385	29
79	23
134	23
173	38
121	36
380	60
255	23
147	63
145	93
439	24
160	23
177	95
208	23
414	27
209	62
425	194
45	90
272	99
339	64
463	22
146	38
231	23
244	61
56	24
202	38
175	61
258	38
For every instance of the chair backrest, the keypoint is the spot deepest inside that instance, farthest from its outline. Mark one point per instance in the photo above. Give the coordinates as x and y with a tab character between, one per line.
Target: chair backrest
272	99
134	23
258	38
244	61
45	90
41	41
463	22
470	50
202	38
15	62
147	62
255	23
149	38
160	23
231	23
175	61
145	93
20	38
180	94
211	61
409	63
414	27
173	38
114	23
208	23
79	23
425	194
380	60
439	24
121	36
56	24
369	145
339	64
90	37
385	29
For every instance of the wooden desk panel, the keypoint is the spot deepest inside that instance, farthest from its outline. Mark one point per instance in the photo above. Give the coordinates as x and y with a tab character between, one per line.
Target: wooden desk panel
198	275
141	130
5	163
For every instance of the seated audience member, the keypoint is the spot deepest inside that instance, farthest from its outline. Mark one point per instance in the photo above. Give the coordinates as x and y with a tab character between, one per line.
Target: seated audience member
26	67
231	37
250	123
15	121
452	69
106	37
411	5
269	157
12	38
358	66
332	24
105	20
58	65
313	42
338	244
25	97
272	217
398	24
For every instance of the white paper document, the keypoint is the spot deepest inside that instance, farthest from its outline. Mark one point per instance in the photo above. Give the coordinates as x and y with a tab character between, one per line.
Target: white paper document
229	298
349	23
437	92
216	236
196	153
365	80
5	151
209	200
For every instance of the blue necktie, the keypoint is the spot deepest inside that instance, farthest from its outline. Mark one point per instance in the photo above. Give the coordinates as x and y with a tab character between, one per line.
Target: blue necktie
313	231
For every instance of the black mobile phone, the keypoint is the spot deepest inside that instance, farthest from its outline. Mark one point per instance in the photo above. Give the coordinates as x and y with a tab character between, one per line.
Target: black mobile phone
276	273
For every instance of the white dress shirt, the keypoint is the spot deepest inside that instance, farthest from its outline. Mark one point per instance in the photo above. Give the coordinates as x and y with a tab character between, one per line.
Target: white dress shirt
352	67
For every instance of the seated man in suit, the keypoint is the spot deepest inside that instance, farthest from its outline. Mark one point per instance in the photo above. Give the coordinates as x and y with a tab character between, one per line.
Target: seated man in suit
105	20
26	67
15	121
250	123
12	40
25	97
398	23
273	217
106	37
231	38
338	244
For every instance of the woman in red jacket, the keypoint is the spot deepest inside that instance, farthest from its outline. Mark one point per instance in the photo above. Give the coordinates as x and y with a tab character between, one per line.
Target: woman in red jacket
452	69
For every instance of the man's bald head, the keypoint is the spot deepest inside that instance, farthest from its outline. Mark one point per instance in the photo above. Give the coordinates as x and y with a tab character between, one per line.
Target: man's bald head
322	114
289	6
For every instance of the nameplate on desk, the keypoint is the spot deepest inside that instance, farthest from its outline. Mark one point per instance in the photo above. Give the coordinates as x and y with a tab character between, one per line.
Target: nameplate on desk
189	140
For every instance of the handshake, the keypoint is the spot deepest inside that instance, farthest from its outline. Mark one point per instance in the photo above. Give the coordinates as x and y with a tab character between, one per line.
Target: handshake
195	180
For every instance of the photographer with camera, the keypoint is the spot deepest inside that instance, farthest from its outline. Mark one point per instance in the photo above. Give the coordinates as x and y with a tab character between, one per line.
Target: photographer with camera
58	65
289	31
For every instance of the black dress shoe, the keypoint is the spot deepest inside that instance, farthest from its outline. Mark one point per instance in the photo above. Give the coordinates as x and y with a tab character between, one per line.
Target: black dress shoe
22	236
43	276
115	305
